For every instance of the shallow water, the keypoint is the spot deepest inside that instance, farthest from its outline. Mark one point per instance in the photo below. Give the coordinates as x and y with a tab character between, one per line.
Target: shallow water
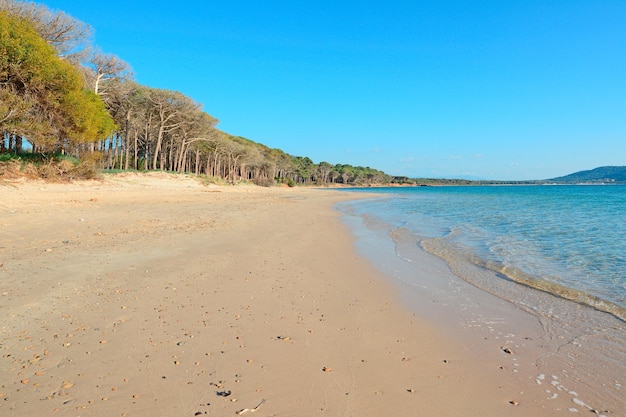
554	252
560	237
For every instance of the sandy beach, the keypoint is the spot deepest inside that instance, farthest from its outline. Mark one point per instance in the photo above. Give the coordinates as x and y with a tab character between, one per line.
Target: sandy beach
154	295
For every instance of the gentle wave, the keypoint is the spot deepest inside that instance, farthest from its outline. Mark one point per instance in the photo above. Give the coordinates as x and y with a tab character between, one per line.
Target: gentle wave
435	247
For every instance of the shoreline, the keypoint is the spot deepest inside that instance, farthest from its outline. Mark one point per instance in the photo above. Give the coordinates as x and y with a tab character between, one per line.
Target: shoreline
158	296
600	300
573	348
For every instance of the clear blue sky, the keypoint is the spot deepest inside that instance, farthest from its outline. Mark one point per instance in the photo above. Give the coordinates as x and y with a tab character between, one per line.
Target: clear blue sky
496	89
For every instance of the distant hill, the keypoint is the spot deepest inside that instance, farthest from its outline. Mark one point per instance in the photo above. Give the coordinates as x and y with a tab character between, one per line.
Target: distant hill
597	175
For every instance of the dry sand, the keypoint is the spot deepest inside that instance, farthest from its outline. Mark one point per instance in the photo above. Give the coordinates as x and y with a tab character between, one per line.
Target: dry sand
153	295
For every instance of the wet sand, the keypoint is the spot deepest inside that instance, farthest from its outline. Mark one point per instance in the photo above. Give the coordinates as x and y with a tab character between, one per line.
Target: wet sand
153	295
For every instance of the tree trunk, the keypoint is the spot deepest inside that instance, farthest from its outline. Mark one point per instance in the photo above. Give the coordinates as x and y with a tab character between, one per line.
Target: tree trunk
170	157
157	148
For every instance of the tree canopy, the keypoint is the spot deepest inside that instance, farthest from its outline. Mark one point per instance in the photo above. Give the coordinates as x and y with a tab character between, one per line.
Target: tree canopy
43	96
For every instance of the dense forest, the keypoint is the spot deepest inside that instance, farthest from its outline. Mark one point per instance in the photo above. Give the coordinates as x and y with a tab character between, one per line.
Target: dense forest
61	96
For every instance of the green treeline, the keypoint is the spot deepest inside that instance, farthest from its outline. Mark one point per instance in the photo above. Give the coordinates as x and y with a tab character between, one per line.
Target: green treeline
60	95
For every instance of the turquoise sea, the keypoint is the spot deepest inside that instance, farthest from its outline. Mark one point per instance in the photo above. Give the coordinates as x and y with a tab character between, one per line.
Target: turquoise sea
569	240
554	257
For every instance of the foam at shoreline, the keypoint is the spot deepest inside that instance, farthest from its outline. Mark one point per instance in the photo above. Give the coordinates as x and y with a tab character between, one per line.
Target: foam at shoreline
454	257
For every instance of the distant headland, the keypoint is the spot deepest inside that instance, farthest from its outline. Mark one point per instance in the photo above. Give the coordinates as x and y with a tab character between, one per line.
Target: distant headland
600	175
